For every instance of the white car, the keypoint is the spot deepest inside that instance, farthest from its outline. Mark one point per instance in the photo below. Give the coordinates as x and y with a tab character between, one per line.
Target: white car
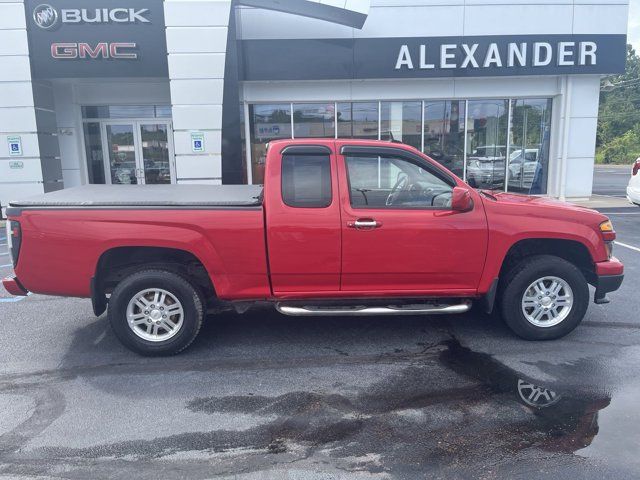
633	189
523	164
485	167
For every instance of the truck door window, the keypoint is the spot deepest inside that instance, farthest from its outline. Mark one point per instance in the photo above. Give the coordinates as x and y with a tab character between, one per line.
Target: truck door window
391	182
306	181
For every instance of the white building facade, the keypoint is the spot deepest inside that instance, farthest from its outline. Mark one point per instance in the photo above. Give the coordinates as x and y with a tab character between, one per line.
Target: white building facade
503	93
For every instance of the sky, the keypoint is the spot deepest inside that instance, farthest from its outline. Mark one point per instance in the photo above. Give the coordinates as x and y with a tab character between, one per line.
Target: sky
634	24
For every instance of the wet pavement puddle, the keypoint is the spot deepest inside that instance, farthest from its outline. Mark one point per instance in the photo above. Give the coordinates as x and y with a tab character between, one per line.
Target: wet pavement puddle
480	417
561	422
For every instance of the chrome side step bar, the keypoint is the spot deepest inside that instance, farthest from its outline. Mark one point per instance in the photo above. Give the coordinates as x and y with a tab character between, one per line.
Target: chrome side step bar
425	309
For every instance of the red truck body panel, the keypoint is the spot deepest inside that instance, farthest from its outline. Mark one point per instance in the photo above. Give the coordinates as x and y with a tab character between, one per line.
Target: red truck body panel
304	243
279	252
514	218
426	252
61	248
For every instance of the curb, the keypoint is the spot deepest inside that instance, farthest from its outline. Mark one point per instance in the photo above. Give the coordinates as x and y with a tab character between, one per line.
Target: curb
604	201
614	166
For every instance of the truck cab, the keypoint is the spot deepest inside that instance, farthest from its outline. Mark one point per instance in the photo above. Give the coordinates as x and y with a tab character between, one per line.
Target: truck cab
353	219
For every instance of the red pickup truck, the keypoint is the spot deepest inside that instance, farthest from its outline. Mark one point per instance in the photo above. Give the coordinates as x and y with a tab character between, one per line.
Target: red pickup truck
341	227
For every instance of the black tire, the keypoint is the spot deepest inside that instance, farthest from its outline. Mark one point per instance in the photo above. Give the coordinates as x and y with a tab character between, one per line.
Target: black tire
177	286
521	276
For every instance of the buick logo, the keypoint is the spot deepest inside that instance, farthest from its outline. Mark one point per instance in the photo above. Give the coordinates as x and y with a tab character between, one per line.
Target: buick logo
45	16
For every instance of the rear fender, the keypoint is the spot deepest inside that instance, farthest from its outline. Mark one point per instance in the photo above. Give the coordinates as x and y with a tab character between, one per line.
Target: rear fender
176	238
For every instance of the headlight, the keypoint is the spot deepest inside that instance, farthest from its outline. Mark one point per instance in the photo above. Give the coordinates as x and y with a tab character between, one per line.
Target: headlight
606	226
607	231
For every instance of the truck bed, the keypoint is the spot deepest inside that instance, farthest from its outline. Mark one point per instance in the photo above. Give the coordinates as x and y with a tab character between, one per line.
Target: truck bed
121	196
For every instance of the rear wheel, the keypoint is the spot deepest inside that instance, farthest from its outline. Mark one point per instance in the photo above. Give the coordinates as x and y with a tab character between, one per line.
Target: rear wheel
544	297
155	312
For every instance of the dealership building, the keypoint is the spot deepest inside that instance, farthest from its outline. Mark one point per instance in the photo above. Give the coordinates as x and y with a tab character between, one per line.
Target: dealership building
503	92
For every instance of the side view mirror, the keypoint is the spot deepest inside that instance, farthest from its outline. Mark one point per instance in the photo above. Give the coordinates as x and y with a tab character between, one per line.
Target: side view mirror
461	200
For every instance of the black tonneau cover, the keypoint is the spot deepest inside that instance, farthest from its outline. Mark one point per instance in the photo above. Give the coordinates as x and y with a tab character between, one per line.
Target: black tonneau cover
147	196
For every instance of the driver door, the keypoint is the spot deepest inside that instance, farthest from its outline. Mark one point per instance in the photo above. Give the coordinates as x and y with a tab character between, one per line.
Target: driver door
399	233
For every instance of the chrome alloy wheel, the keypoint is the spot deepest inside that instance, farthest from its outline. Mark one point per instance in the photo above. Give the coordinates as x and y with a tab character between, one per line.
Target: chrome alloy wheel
547	301
155	315
535	396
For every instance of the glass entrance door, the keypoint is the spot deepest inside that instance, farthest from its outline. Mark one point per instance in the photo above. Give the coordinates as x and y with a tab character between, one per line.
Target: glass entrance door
154	149
121	147
139	152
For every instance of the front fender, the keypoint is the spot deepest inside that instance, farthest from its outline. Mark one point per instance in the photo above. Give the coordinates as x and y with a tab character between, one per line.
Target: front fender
509	226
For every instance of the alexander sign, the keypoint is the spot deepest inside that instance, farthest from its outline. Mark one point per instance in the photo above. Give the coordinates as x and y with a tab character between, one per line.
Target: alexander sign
523	54
109	38
418	57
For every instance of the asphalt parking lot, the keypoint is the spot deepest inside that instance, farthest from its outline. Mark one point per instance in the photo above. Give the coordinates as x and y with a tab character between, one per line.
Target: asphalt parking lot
611	180
266	396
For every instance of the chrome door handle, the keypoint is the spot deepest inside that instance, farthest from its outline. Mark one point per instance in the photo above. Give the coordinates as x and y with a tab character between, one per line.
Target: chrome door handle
365	224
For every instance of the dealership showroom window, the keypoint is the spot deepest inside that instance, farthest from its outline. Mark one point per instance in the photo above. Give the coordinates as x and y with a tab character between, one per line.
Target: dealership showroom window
436	127
192	92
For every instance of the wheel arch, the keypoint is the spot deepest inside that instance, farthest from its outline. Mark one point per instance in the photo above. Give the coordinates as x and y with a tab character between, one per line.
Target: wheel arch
572	251
116	263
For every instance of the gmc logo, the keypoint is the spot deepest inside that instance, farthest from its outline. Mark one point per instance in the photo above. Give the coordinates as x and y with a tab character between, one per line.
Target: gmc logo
115	50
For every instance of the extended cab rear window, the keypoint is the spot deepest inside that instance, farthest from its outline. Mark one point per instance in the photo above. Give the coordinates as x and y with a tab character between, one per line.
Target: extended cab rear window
306	180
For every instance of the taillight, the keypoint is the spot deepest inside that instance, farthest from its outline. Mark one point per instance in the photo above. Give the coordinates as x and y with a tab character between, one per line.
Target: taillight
636	167
14	239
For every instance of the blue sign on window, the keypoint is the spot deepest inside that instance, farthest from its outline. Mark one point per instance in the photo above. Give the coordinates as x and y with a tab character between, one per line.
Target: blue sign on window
15	146
197	142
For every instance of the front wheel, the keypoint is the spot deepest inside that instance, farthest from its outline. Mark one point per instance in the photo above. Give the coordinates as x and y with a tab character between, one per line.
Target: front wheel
155	312
544	297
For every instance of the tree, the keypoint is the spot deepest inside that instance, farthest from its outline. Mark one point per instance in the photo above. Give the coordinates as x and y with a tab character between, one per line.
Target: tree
619	113
626	147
